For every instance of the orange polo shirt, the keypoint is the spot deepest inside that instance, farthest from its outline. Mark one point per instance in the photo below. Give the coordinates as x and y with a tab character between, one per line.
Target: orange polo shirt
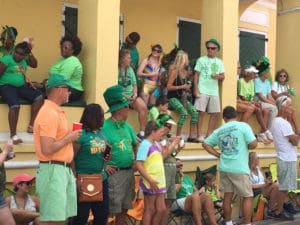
51	121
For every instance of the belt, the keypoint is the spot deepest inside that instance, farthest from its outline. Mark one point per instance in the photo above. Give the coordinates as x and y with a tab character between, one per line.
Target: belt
57	163
170	164
124	168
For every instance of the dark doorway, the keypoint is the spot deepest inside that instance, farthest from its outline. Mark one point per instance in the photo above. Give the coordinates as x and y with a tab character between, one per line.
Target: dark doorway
189	38
252	47
70	23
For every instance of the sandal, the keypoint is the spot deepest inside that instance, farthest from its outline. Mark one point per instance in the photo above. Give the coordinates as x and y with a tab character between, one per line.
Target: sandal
193	140
30	129
16	140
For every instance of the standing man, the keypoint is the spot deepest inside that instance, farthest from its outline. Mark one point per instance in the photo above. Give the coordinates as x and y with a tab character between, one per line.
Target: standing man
233	139
286	142
55	180
209	70
120	135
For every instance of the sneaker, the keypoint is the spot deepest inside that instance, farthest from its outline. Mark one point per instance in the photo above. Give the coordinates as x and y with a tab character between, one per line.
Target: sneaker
201	139
289	207
269	135
271	214
192	140
262	137
283	216
16	140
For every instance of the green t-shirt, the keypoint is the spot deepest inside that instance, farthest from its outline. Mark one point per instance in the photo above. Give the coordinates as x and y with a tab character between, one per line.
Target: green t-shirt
70	68
246	89
127	80
89	159
3	51
122	139
232	138
207	67
187	187
13	74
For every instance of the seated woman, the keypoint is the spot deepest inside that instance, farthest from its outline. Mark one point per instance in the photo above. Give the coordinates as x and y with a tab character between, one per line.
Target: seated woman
281	88
8	38
69	65
24	207
247	105
14	85
127	80
262	185
178	87
150	70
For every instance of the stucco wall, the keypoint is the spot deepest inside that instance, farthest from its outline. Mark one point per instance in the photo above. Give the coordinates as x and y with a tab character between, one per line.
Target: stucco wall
156	20
288	46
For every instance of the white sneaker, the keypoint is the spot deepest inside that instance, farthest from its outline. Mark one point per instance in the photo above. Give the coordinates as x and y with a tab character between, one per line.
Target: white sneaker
269	135
201	139
262	137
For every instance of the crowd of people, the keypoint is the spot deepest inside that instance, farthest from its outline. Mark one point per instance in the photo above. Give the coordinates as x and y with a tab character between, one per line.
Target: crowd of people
112	149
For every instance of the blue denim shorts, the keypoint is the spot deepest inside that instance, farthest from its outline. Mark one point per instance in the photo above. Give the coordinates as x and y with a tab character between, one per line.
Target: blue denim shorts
2	200
11	95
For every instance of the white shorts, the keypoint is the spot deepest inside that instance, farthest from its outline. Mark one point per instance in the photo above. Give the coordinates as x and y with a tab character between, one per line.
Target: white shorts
179	203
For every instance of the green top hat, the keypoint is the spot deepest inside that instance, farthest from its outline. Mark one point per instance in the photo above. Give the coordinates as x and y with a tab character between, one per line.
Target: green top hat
115	99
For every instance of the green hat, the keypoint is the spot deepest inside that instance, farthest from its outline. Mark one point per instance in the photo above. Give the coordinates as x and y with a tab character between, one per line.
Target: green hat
214	41
115	99
56	80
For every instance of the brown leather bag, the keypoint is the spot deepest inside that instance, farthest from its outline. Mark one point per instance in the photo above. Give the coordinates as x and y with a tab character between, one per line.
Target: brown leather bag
89	187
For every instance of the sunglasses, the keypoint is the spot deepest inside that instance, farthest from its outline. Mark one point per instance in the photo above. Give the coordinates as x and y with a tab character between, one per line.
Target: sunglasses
283	75
157	50
28	183
64	87
179	166
168	125
211	48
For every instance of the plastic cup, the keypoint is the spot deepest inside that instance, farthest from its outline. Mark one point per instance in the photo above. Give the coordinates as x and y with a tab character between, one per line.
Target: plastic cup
77	126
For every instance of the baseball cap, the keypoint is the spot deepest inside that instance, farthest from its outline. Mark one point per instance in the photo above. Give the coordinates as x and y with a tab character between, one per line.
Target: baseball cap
22	177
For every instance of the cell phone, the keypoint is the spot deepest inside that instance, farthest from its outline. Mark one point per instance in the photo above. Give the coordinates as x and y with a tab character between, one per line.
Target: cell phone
107	151
268	174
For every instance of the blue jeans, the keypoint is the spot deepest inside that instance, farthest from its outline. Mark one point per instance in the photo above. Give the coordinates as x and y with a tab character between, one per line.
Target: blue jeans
100	210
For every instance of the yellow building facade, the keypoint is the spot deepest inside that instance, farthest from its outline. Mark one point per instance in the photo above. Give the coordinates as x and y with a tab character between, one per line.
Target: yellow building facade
100	30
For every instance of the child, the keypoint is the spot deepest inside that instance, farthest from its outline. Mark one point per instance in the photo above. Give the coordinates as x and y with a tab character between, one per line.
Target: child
161	107
149	163
213	189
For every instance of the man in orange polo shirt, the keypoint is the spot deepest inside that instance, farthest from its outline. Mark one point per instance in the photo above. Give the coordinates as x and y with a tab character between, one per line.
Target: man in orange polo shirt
55	181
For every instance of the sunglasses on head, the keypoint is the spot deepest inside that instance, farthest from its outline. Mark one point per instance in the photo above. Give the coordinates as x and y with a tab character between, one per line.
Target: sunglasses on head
283	75
156	50
211	48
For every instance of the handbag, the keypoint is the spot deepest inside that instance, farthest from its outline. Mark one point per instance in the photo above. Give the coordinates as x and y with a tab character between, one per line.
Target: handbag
89	187
259	208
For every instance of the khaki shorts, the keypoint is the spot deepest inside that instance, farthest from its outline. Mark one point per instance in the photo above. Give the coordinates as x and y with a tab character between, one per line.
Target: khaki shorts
56	190
236	183
208	103
121	190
